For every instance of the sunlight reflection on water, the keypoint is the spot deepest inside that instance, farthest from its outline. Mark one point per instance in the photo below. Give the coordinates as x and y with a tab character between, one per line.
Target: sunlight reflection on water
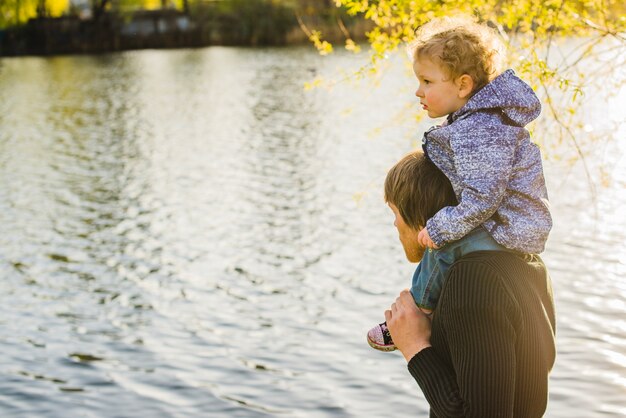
190	231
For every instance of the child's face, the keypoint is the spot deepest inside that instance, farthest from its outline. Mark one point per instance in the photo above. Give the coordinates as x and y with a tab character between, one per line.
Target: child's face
439	94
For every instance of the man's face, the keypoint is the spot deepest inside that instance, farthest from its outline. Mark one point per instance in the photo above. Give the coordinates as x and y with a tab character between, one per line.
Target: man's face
408	237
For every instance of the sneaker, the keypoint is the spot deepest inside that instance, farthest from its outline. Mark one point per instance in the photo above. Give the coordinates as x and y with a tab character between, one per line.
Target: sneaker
380	338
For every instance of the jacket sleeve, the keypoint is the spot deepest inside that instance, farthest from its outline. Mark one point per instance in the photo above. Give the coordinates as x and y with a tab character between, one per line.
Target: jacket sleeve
483	160
479	379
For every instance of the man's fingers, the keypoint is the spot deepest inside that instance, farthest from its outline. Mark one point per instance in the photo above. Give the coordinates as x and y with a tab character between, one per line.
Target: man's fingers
387	315
406	301
405	295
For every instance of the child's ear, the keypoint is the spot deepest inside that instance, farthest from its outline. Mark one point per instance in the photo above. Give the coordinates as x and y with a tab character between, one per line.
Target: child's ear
465	83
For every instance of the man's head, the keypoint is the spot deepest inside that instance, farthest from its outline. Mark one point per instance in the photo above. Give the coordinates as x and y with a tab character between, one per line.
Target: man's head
415	190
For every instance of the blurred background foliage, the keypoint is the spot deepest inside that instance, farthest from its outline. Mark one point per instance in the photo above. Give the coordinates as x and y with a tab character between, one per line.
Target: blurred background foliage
18	12
564	48
228	22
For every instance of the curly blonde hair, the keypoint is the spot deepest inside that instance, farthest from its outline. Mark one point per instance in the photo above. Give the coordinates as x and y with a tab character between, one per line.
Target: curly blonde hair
460	46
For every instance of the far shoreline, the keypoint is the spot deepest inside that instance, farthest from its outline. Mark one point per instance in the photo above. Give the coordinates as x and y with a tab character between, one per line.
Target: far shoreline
163	29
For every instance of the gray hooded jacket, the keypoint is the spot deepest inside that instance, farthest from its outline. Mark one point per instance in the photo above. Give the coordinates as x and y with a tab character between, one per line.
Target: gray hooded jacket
495	170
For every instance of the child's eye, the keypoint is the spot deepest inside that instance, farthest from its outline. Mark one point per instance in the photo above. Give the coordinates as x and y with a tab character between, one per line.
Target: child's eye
426	81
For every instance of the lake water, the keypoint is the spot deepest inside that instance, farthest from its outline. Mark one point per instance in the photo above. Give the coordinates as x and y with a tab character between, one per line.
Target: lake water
191	233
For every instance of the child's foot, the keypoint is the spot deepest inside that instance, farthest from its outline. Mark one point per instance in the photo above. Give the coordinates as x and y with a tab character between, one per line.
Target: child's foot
380	338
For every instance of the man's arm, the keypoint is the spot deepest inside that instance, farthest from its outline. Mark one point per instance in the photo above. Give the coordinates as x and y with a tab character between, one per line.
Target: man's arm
478	319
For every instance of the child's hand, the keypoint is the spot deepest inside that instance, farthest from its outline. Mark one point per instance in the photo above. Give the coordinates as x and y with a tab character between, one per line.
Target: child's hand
424	239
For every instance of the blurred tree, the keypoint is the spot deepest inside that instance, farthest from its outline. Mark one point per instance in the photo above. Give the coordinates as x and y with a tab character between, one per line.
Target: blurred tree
526	23
16	12
98	7
41	8
562	47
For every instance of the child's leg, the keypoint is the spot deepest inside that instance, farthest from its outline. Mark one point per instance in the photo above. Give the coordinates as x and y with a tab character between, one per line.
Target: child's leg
477	240
432	271
379	337
427	282
430	275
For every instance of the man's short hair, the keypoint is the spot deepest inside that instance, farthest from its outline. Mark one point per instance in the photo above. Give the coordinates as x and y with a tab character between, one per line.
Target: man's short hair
418	189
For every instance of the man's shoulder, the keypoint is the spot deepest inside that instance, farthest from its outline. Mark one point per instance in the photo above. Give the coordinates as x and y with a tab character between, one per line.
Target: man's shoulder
502	257
505	261
502	269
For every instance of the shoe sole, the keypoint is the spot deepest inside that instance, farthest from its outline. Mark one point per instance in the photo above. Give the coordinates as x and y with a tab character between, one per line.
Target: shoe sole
379	347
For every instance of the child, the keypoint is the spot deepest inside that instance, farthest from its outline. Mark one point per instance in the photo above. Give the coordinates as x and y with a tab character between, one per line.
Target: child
482	148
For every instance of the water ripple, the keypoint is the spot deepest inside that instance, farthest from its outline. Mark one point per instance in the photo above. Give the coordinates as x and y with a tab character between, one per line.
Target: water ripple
190	232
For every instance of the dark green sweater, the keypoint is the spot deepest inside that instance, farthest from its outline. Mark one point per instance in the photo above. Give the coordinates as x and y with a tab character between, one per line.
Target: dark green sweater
492	339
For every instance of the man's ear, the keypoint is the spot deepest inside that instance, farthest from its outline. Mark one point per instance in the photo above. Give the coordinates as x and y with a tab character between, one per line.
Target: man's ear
465	84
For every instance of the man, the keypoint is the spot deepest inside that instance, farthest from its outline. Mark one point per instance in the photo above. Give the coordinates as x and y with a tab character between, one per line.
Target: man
490	345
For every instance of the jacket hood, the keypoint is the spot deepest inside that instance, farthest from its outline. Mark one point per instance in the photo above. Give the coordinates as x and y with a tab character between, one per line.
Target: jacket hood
507	93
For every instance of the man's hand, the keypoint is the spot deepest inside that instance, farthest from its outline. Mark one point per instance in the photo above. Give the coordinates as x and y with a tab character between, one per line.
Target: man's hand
424	239
409	327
